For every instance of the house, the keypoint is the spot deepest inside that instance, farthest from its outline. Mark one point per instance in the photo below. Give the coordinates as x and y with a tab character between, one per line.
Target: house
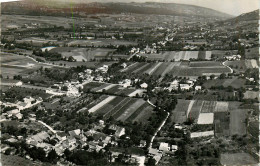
75	133
164	146
142	143
185	86
118	131
19	116
144	85
125	83
61	136
174	148
38	138
197	88
154	153
124	65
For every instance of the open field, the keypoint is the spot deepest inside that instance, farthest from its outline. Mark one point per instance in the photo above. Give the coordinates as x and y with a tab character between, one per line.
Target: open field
237	122
12	64
84	54
221	123
237	159
251	95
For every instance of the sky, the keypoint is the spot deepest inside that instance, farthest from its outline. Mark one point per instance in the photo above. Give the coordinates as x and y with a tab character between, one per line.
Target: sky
233	7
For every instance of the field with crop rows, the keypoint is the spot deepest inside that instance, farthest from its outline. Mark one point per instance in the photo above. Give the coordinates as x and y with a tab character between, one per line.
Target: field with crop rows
123	109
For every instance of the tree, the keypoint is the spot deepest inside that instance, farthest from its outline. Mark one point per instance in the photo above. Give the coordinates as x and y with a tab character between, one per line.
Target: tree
64	88
151	162
52	156
222	76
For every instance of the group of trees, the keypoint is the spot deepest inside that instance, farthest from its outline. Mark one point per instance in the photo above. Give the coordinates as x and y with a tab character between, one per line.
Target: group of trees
52	56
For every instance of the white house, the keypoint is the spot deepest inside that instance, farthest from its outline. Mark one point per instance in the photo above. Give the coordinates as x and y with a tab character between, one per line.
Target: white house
185	86
144	85
164	146
197	87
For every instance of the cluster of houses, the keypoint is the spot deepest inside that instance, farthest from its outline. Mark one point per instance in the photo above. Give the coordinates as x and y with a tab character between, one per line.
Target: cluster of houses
93	139
19	106
233	57
189	84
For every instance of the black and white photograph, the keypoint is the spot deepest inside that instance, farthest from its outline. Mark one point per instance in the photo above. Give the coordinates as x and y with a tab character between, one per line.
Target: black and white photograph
129	82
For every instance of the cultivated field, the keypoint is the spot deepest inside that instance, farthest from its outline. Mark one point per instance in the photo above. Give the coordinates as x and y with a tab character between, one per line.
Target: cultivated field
179	55
178	68
123	109
208	106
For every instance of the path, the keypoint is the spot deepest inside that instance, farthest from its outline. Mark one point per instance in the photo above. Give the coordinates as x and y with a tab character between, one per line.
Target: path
49	127
231	70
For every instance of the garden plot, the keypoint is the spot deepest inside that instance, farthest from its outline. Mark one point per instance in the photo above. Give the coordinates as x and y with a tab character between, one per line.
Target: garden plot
221	106
208	106
142	114
206	118
238	122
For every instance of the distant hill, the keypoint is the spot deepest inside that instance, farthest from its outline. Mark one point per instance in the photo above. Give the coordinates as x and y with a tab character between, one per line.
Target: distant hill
254	15
47	7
